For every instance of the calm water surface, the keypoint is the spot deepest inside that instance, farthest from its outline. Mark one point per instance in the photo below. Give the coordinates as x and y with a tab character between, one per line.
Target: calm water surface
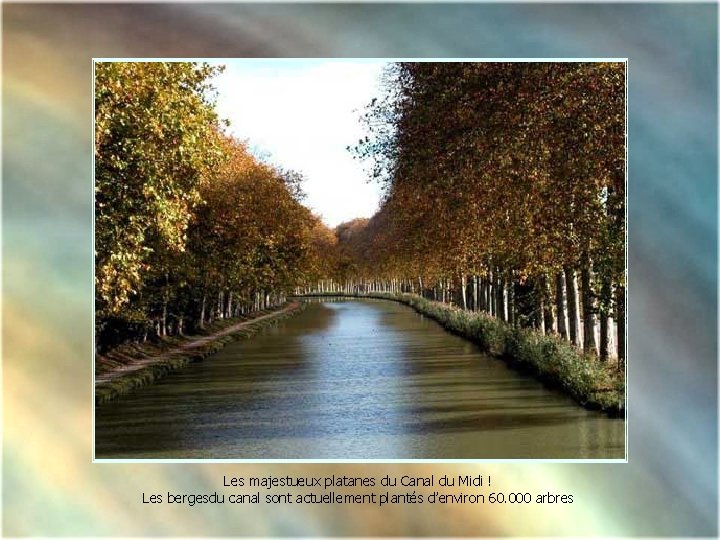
352	379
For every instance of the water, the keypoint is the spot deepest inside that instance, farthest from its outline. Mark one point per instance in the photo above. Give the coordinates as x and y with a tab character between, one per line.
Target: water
352	379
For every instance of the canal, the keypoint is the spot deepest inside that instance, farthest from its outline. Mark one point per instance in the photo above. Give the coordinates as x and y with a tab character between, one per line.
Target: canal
352	379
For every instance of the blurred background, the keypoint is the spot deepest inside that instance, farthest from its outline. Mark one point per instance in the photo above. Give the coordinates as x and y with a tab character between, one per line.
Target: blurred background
50	485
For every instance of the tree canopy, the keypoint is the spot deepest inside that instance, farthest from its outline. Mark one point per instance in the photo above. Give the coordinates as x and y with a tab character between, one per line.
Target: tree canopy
189	225
513	172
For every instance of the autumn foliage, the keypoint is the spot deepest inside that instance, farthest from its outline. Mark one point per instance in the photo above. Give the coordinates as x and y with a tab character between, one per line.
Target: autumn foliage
504	192
504	183
189	226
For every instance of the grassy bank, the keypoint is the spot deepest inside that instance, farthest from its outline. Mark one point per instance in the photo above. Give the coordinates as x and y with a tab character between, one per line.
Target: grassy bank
593	384
170	354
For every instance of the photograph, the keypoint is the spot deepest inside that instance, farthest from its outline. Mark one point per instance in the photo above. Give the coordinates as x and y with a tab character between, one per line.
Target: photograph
360	260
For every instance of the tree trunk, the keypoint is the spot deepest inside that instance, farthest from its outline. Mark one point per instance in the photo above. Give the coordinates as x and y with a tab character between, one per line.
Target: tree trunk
501	296
481	294
620	318
511	301
202	310
603	345
163	324
588	308
492	295
463	290
548	318
475	292
166	293
560	304
485	288
605	302
572	305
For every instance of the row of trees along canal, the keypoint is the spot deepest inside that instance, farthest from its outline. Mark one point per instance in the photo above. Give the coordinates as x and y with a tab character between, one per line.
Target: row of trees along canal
503	182
189	226
504	192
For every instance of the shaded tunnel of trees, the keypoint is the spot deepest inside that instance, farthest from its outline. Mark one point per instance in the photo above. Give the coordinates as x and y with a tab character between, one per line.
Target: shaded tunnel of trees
504	192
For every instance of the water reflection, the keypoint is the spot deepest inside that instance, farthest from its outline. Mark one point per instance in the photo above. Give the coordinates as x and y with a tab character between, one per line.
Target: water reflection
353	379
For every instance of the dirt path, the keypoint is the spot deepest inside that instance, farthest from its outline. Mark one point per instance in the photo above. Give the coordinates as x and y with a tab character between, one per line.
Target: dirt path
144	362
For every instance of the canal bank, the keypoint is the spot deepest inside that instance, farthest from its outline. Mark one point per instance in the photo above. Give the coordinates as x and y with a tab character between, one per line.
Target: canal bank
592	384
136	365
359	379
